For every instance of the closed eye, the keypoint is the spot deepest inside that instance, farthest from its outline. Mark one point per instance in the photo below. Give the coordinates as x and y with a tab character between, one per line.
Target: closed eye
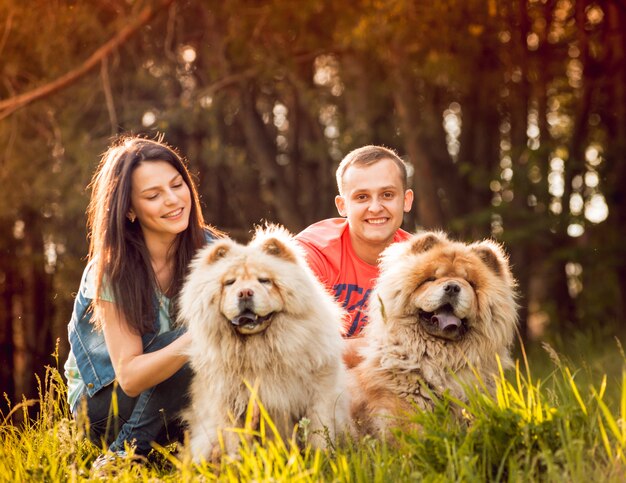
264	280
230	281
429	279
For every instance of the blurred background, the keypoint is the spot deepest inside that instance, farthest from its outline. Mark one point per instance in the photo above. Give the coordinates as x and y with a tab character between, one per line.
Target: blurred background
510	113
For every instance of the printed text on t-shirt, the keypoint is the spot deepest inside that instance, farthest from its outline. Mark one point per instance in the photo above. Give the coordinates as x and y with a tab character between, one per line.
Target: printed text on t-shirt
354	299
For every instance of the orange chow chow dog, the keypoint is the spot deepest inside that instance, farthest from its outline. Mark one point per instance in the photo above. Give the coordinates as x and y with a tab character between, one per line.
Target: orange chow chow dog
440	314
258	315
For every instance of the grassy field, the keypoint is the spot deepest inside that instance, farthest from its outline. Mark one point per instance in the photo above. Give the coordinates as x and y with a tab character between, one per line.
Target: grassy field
555	418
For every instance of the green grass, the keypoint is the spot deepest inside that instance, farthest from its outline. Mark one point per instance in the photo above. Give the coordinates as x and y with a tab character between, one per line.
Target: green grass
559	423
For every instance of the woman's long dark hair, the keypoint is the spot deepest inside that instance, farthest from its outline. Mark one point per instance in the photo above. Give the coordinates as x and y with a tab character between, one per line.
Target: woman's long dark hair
117	246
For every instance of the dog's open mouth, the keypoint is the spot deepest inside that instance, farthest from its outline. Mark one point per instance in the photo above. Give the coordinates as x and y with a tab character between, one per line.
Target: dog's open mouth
443	323
249	323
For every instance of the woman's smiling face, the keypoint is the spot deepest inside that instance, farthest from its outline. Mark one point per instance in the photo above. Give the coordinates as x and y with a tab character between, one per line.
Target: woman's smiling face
160	199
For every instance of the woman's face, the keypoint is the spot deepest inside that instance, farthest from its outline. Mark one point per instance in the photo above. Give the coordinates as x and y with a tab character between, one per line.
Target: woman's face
160	199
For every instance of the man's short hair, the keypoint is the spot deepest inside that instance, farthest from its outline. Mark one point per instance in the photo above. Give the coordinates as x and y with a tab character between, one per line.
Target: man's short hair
366	156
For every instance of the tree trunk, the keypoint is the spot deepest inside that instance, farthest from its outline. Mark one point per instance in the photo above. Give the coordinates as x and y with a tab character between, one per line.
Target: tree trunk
616	159
263	149
518	101
7	276
429	213
356	72
34	341
309	151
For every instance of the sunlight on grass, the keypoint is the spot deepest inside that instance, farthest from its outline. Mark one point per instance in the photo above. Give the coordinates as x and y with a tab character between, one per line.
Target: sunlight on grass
559	428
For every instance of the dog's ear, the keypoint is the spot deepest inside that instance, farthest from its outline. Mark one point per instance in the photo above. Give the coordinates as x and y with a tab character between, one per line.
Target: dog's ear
275	247
422	242
492	255
218	251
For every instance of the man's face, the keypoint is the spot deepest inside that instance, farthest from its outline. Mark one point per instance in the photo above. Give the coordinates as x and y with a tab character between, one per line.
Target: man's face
374	201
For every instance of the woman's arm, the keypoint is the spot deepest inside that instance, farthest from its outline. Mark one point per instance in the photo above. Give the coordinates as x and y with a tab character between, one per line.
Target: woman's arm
134	370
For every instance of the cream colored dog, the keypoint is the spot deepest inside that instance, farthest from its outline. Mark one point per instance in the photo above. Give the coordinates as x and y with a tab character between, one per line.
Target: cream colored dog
257	313
440	311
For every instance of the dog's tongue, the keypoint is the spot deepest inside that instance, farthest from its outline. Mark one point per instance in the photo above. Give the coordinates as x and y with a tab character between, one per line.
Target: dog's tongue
245	318
446	320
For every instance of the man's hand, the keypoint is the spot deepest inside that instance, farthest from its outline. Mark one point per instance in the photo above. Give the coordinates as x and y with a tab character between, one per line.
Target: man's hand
352	351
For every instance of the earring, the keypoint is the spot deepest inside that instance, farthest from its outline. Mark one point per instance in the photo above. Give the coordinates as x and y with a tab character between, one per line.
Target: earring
131	217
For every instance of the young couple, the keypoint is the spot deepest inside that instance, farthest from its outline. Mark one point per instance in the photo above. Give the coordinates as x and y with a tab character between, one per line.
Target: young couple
145	224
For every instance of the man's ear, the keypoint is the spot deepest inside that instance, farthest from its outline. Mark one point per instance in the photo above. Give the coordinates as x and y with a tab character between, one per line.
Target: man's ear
408	200
340	203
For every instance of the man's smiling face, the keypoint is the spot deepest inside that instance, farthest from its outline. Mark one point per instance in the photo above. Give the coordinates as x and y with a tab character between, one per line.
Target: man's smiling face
374	200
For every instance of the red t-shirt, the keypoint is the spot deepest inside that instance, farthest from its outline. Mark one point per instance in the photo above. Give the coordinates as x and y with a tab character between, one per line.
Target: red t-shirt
331	256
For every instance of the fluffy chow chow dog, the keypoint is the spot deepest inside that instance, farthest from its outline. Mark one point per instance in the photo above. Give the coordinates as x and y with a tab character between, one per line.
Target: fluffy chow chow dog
440	311
257	314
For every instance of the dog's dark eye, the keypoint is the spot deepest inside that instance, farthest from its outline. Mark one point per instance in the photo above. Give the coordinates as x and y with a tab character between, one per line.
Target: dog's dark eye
230	281
264	280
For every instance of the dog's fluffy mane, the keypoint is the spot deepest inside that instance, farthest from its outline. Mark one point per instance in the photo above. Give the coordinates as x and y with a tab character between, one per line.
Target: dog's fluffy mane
402	358
274	246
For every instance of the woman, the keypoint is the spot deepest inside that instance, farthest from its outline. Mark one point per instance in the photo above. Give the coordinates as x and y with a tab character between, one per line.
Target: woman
145	224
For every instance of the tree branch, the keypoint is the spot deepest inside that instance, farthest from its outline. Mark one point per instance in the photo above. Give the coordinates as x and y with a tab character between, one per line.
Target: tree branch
9	106
108	94
7	30
232	79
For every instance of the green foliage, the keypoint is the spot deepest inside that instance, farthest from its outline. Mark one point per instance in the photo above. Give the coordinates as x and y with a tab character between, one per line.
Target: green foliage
48	447
528	430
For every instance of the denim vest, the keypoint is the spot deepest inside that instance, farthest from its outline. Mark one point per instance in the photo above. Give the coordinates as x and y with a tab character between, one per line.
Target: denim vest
87	342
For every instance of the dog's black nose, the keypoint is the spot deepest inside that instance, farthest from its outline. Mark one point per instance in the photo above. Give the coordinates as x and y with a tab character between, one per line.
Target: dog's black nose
452	288
245	293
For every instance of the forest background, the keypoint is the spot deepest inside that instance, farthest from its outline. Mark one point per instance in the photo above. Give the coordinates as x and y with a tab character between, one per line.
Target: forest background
510	113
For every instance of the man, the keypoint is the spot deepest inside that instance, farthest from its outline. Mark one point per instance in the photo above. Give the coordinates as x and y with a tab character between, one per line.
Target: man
343	253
